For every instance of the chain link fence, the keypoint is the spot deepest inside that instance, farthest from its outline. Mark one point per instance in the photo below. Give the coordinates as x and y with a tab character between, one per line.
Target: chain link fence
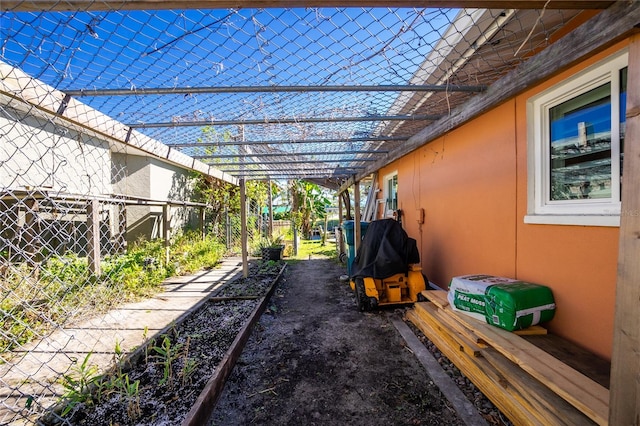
73	206
279	93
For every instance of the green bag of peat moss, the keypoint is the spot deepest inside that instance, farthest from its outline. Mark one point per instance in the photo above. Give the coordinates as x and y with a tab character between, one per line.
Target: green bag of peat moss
518	305
467	293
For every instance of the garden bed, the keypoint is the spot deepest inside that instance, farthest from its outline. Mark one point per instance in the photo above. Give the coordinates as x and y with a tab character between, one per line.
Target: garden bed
161	381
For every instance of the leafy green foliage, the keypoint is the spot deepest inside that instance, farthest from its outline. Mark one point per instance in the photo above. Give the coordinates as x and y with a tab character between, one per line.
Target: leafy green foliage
66	286
166	354
83	385
193	253
139	271
308	202
77	385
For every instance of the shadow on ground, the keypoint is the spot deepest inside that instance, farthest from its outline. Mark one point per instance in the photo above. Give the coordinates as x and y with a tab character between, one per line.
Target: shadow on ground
314	359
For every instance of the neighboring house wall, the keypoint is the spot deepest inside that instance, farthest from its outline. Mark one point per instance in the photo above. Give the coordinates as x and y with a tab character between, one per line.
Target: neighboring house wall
35	153
47	175
171	182
149	178
143	221
472	184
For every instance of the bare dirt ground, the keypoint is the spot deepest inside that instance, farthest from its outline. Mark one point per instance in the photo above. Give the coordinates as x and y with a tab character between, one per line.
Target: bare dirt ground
314	359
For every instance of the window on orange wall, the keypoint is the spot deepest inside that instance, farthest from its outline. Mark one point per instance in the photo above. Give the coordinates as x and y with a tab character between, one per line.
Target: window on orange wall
576	146
390	194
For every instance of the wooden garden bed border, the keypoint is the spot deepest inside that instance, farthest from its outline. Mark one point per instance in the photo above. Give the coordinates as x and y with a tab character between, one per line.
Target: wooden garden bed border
202	408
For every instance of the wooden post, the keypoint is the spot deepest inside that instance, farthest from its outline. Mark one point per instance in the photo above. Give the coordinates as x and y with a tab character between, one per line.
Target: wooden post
339	209
227	226
340	235
166	231
31	232
122	228
357	231
243	228
202	227
11	223
93	236
624	403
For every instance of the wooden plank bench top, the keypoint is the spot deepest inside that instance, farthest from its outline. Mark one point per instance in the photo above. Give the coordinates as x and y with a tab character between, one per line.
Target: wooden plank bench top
576	375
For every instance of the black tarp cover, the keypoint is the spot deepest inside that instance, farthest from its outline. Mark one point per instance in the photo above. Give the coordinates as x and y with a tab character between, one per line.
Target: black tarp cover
386	250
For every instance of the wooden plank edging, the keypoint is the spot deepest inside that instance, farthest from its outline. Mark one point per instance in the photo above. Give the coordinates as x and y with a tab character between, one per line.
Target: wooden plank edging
202	408
580	391
461	404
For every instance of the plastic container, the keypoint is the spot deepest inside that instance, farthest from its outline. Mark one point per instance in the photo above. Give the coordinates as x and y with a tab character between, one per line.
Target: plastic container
348	226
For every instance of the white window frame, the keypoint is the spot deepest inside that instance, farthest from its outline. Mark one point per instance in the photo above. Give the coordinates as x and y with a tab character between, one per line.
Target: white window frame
387	212
596	212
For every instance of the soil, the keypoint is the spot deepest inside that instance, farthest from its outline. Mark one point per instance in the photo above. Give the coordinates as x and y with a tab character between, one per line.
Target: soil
196	345
312	359
315	359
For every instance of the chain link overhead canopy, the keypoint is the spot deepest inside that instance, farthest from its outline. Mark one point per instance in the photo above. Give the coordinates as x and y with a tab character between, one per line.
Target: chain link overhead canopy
276	93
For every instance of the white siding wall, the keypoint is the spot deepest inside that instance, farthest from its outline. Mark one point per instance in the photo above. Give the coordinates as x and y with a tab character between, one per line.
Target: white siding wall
37	154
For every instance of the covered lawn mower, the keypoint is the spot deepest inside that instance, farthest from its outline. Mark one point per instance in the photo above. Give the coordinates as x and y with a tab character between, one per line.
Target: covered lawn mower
386	270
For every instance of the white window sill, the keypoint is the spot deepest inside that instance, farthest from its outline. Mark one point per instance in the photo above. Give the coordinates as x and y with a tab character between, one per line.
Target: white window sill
578	220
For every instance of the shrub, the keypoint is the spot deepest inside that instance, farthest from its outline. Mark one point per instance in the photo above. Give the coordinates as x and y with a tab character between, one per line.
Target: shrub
63	288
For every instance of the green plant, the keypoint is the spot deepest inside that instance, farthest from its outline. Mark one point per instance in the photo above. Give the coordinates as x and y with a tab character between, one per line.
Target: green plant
273	242
167	354
192	253
130	391
77	385
188	364
145	343
138	272
308	202
63	288
188	368
116	379
119	383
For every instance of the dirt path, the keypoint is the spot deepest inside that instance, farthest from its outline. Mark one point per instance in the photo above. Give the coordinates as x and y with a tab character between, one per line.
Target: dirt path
314	359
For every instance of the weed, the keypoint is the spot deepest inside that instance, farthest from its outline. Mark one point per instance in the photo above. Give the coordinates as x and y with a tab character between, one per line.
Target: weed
63	288
77	385
145	343
188	364
188	368
130	391
167	353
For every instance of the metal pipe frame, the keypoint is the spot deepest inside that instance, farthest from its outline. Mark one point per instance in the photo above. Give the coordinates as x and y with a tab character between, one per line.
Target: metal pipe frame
348	170
286	141
278	89
289	176
289	154
241	163
204	123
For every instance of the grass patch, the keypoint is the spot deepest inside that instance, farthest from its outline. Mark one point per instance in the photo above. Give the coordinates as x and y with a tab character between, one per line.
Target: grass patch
315	249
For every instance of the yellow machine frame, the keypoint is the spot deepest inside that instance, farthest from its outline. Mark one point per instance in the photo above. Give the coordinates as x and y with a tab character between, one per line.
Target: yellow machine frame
397	289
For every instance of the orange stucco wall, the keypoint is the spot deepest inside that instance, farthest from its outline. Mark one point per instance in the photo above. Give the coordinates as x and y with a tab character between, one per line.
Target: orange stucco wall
472	184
